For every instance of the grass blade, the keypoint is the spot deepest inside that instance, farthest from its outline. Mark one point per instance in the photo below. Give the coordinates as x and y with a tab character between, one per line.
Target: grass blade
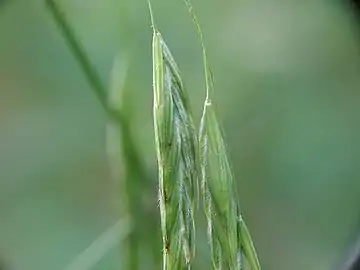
104	243
135	184
120	143
78	51
117	142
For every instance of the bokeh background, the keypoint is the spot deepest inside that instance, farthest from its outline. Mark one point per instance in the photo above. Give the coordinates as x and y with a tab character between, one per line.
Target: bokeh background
287	91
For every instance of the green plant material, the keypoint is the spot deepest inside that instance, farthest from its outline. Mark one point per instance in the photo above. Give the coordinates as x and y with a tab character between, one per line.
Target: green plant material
176	145
248	246
118	141
133	178
78	51
121	146
229	236
105	242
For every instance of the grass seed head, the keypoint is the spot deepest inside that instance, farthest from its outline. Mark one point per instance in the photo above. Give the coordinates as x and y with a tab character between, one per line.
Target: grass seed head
228	235
176	146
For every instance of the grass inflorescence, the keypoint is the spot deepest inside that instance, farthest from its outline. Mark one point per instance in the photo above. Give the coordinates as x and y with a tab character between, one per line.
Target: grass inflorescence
176	146
230	241
184	156
228	234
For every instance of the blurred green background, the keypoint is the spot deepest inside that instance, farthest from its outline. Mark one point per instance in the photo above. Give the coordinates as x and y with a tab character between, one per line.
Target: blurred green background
288	92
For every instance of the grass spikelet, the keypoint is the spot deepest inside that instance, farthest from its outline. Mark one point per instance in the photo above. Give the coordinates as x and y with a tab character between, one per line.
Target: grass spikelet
228	234
218	188
176	146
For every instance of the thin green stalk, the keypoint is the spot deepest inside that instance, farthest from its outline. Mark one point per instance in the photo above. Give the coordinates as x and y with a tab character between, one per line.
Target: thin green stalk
79	54
135	184
118	140
208	73
78	51
175	139
135	178
229	236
